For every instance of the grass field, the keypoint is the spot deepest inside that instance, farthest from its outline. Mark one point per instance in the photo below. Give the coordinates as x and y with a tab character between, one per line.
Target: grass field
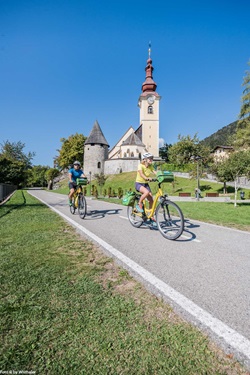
220	213
68	309
125	181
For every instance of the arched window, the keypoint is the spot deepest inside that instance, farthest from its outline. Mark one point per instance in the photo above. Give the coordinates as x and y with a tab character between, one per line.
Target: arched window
150	109
124	155
99	164
132	155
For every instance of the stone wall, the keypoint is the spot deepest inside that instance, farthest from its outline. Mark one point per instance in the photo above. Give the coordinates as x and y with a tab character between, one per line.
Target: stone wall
94	157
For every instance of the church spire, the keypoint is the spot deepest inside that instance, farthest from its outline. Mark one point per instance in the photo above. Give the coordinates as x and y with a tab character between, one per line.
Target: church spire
149	85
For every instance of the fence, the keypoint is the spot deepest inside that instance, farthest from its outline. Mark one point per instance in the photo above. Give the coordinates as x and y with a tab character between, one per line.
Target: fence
6	190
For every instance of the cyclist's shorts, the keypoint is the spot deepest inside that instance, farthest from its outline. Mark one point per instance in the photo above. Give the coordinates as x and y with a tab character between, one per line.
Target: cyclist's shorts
72	185
138	185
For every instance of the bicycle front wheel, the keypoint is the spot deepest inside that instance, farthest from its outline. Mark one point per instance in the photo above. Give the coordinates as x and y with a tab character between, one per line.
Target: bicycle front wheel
82	206
72	207
135	218
170	220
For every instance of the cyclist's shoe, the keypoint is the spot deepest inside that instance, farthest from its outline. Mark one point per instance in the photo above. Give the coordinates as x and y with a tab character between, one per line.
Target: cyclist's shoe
153	223
138	208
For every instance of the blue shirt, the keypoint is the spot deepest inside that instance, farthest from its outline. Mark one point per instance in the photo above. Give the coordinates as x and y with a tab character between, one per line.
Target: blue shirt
76	173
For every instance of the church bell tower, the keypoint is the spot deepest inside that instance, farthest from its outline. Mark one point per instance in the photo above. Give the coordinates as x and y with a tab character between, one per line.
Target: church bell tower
149	101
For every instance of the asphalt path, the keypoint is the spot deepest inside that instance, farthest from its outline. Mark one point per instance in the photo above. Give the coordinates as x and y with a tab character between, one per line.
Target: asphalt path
204	274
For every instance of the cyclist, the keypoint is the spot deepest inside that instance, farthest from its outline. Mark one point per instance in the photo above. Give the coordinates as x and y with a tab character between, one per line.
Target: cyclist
145	169
74	173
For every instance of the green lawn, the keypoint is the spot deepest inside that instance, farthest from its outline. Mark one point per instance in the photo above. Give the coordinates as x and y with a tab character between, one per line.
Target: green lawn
180	184
220	213
68	309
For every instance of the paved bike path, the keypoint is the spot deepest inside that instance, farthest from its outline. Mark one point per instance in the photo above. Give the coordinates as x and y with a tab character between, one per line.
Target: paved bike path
204	274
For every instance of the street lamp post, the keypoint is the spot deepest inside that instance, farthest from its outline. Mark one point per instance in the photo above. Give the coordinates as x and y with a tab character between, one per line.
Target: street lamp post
90	182
197	158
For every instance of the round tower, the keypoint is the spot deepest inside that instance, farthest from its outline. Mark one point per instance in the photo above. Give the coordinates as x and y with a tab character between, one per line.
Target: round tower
95	151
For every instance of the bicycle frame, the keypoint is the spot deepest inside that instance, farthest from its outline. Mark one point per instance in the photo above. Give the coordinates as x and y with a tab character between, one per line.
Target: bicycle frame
150	211
77	191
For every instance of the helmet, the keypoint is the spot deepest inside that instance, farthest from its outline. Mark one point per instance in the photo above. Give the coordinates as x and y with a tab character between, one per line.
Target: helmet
77	163
147	155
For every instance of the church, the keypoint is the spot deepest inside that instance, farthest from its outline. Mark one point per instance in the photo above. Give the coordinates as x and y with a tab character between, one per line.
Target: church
126	154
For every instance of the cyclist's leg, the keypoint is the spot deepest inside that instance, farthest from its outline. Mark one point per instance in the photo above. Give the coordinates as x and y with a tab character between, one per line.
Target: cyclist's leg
72	186
145	193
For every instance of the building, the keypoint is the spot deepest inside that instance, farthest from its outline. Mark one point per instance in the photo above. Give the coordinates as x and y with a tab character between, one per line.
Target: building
125	155
221	153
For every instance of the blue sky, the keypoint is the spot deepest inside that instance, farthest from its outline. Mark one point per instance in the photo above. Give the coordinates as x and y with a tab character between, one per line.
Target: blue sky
66	63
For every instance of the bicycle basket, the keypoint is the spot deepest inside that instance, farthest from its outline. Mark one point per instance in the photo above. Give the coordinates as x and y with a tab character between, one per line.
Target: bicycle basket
165	176
82	181
128	198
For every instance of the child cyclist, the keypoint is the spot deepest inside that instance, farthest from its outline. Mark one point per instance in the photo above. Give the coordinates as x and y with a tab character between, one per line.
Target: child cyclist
74	173
145	169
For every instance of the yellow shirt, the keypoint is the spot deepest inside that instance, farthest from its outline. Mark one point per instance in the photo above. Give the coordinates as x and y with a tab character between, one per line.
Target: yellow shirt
147	171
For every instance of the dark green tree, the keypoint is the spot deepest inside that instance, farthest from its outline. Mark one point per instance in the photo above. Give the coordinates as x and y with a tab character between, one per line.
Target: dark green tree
14	163
164	151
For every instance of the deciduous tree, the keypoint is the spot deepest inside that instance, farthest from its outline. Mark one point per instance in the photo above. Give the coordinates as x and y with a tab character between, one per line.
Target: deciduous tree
243	127
72	149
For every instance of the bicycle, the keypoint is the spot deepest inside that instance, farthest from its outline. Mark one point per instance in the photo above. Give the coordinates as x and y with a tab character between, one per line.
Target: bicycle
78	199
168	215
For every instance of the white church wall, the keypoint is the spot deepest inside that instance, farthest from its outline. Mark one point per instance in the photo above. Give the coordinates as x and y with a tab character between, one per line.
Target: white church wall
115	166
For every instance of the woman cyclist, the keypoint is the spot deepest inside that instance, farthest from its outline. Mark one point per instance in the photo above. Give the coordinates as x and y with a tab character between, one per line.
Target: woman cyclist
145	169
74	173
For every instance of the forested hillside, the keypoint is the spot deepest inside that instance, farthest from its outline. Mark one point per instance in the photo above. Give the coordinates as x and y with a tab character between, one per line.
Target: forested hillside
222	137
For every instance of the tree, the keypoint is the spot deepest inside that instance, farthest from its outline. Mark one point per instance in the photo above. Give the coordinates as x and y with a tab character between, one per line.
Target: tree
36	176
14	163
237	165
50	175
164	151
186	150
101	178
243	128
14	151
72	149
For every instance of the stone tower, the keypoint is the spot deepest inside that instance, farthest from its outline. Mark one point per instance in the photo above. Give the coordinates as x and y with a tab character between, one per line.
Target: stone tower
95	151
148	103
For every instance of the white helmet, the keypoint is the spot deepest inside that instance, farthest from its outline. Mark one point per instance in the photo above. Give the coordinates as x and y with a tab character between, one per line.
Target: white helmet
147	155
77	163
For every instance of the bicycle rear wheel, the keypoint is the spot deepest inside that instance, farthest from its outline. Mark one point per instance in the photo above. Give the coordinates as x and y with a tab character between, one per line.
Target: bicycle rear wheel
135	219
82	206
170	220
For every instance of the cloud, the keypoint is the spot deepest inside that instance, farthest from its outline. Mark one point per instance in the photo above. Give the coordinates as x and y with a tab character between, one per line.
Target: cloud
161	142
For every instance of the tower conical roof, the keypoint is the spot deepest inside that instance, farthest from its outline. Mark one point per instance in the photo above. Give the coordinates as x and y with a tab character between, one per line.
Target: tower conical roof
96	136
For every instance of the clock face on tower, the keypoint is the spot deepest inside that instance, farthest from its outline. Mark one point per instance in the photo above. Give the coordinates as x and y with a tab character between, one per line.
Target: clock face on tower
151	99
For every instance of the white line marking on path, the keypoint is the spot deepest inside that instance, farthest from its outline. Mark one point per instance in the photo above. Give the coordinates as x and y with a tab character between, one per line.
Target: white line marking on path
237	341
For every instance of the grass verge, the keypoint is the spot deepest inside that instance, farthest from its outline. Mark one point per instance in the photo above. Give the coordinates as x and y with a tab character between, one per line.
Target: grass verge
68	309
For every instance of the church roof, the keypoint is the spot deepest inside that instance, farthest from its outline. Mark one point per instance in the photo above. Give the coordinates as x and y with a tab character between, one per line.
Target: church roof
96	136
133	139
